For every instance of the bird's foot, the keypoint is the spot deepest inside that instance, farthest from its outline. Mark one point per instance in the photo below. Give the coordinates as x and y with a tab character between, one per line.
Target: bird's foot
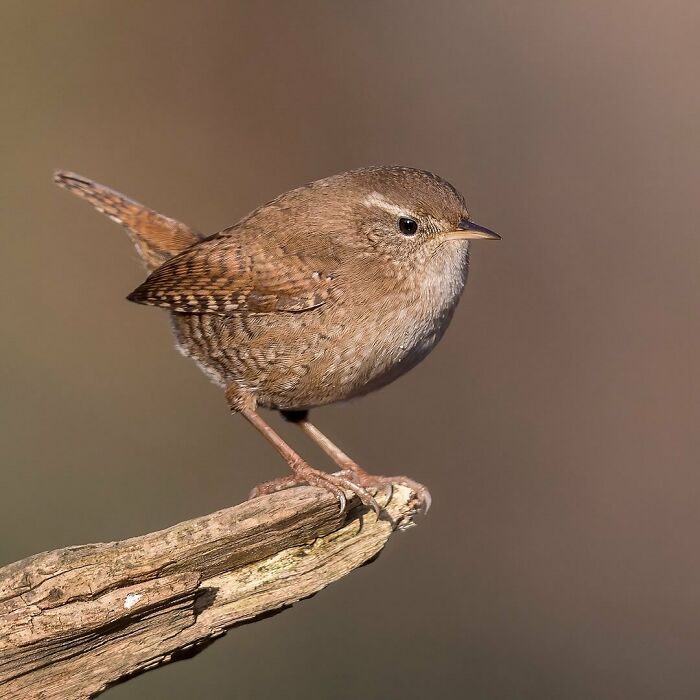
370	481
337	484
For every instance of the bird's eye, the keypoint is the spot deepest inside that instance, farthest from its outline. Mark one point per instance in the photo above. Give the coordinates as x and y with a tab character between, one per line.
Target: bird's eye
408	226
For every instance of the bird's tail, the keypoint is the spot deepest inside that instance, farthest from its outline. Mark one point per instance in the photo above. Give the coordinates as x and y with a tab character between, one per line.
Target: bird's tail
156	237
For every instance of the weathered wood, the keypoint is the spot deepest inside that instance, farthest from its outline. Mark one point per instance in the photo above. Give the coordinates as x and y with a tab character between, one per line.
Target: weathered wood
76	620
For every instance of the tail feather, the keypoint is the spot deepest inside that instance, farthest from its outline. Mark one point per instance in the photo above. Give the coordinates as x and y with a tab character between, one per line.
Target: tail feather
156	237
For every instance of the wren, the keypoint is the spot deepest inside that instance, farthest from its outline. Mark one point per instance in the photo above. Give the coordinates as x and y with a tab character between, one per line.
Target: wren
328	292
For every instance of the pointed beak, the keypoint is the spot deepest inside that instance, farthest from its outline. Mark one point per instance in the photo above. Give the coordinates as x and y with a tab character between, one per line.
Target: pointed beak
467	230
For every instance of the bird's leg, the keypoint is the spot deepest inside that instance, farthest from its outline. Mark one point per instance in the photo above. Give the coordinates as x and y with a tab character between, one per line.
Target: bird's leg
302	473
301	418
353	470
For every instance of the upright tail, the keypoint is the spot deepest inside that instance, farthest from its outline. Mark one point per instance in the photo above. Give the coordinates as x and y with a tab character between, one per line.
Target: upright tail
156	237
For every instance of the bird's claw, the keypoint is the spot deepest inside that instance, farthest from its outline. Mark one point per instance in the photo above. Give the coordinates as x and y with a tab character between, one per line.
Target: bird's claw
386	483
336	484
354	480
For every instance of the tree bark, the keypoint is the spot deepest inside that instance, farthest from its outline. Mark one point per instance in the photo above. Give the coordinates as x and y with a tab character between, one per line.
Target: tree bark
76	620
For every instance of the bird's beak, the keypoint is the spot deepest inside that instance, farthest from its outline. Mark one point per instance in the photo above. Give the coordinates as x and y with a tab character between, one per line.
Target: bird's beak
467	230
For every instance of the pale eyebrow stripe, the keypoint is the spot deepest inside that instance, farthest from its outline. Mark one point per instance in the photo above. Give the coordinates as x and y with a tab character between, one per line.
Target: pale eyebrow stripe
374	199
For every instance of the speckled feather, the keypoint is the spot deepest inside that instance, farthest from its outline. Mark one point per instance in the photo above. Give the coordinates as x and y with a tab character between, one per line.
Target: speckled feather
156	237
236	274
314	297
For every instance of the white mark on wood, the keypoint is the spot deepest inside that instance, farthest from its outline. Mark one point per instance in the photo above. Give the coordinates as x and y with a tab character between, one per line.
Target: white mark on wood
131	600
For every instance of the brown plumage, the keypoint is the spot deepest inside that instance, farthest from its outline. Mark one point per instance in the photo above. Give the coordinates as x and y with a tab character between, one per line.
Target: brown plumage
327	292
156	237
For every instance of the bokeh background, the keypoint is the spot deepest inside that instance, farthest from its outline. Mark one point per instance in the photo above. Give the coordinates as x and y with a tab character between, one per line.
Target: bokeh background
556	424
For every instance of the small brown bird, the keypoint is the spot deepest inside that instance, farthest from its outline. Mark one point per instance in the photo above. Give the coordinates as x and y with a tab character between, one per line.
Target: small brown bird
330	291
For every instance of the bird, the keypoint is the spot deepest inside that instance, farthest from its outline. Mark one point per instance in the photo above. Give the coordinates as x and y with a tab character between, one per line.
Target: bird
329	291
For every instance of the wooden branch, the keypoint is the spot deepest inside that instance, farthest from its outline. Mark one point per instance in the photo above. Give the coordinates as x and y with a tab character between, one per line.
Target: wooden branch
76	620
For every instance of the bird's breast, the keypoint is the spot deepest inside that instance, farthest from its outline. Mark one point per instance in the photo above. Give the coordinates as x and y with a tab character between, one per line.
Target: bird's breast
340	350
399	329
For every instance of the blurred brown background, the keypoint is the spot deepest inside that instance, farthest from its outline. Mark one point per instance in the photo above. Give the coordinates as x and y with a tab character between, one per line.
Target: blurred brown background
556	424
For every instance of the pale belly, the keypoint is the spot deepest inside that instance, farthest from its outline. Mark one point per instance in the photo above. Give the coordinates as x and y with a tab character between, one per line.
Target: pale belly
297	361
375	360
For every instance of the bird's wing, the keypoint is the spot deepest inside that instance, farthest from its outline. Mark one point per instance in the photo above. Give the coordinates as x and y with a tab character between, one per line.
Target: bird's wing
231	275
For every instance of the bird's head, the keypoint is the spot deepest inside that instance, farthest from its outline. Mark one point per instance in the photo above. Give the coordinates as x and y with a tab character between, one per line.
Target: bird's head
405	221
